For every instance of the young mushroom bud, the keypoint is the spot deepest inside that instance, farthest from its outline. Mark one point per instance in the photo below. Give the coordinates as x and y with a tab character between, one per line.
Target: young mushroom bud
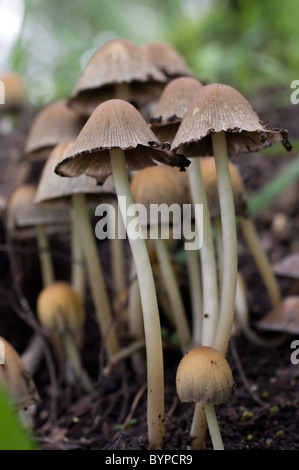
60	311
204	376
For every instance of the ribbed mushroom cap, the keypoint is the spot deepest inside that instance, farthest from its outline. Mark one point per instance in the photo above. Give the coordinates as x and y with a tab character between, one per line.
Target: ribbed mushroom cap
118	61
167	58
53	189
14	91
15	378
216	108
204	375
158	185
23	215
59	309
208	168
55	123
172	106
283	318
115	124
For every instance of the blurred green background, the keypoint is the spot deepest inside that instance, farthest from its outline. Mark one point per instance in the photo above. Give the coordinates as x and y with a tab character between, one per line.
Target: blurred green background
248	44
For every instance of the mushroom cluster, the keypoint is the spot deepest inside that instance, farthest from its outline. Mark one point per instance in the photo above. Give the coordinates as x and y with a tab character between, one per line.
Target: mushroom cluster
143	142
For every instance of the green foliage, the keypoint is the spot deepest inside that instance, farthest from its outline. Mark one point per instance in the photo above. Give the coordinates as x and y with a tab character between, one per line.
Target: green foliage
248	44
12	434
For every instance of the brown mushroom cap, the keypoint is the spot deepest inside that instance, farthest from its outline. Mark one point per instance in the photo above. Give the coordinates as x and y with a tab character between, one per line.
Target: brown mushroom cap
23	215
283	318
15	378
167	58
53	189
159	184
14	91
204	375
172	106
59	309
216	108
118	61
115	124
55	123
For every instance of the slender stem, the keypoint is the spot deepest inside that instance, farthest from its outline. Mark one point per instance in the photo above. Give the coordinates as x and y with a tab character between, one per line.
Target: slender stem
152	328
96	277
78	268
45	256
213	427
207	255
195	285
174	295
252	239
229	235
198	430
73	355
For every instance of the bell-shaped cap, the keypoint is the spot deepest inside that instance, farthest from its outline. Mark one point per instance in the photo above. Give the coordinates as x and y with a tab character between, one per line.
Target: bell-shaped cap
55	123
23	215
59	309
216	108
53	190
167	58
172	106
15	378
161	186
117	62
283	318
204	375
115	124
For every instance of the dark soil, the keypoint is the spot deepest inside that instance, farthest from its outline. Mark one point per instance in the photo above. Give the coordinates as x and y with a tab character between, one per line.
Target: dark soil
263	413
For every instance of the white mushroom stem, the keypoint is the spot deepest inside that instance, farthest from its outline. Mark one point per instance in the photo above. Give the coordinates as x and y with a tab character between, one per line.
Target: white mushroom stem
95	274
229	235
195	285
174	296
207	255
257	252
213	427
73	355
78	268
152	328
45	257
198	431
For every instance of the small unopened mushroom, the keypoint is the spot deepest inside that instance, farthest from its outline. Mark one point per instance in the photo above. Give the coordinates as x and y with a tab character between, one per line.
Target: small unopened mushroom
204	376
16	380
60	312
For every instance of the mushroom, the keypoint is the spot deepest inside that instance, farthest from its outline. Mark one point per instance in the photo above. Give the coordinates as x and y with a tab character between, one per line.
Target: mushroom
24	220
55	123
220	122
204	376
283	318
118	69
159	185
15	378
167	58
60	311
73	194
114	140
